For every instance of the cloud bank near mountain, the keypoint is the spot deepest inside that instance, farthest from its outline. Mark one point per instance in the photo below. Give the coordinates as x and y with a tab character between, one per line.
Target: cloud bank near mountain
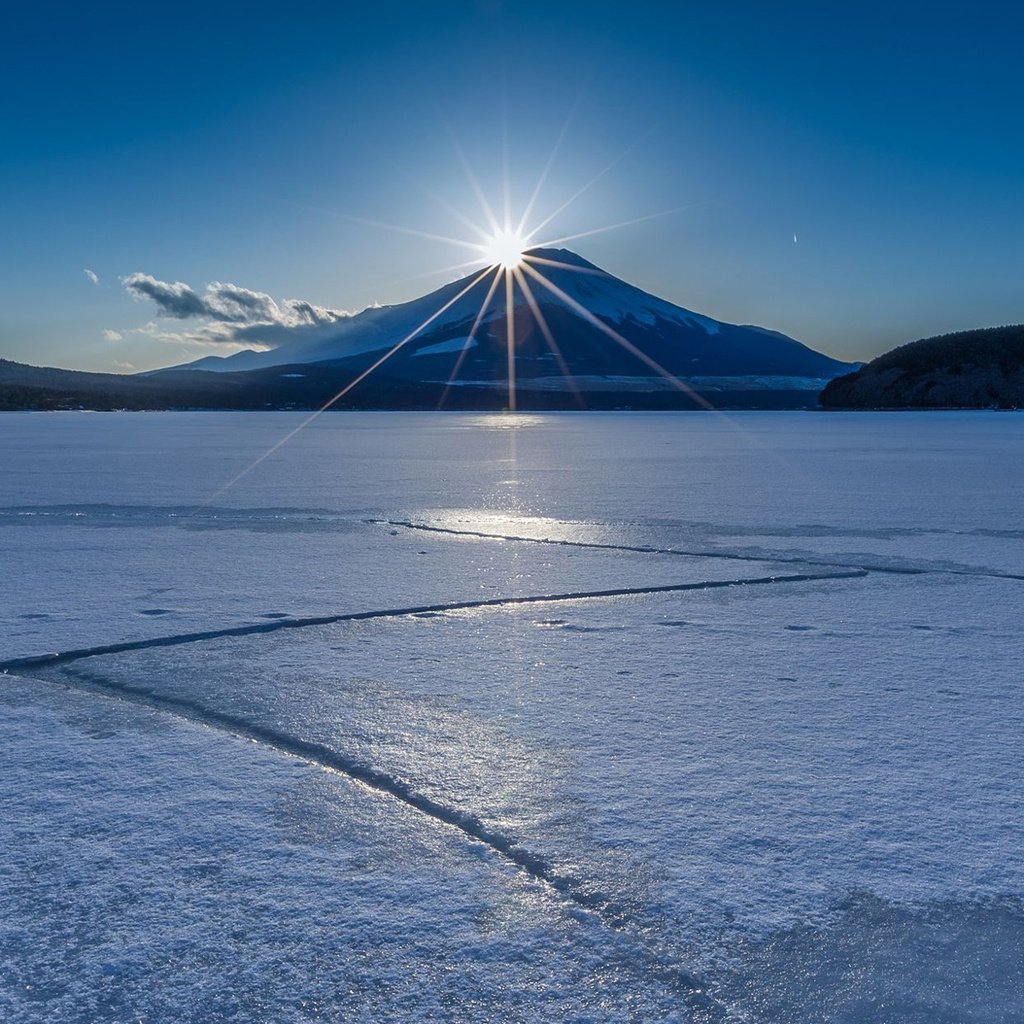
232	316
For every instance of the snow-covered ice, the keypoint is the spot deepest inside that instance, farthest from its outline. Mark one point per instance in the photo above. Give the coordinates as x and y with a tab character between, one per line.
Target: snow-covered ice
795	799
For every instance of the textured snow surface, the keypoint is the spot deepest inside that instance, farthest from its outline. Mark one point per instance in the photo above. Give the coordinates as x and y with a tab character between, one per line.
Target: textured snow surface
797	798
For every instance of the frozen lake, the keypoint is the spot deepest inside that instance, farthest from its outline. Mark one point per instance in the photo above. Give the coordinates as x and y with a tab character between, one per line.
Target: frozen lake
614	717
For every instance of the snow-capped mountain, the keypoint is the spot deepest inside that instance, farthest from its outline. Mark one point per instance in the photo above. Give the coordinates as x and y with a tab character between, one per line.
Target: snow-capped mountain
581	310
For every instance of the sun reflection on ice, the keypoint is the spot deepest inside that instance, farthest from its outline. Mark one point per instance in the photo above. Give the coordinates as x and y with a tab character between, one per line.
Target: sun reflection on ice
505	421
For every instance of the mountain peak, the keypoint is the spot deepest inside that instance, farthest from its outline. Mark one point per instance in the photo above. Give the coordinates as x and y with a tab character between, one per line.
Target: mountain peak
566	256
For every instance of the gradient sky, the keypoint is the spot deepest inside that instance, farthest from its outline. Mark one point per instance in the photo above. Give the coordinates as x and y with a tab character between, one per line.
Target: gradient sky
232	143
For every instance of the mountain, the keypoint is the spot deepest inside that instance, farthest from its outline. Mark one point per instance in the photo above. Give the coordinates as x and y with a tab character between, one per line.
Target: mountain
583	338
968	370
710	354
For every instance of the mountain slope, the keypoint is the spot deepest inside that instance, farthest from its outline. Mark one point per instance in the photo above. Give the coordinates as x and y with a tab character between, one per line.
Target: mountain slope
970	369
684	343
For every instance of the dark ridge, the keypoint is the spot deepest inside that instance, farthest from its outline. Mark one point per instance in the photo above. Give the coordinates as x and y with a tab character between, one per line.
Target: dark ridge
980	369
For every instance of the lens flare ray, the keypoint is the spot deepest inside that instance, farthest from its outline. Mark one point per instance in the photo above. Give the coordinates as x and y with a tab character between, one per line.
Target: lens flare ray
510	340
545	330
508	253
613	227
473	264
585	188
474	183
530	257
348	387
472	336
433	196
403	230
541	181
449	209
615	336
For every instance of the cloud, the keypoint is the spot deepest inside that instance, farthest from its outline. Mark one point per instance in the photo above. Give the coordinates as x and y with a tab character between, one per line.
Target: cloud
112	336
235	304
175	300
219	336
92	275
235	317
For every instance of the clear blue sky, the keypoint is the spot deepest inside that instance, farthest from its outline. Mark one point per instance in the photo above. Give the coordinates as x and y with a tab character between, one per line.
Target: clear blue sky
231	143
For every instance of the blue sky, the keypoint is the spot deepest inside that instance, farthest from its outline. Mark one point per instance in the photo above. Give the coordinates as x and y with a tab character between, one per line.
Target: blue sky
235	143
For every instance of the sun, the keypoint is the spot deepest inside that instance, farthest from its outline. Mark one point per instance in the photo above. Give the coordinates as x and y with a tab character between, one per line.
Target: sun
504	249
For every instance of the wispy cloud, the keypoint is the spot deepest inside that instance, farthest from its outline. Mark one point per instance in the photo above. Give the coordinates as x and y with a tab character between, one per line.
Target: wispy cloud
233	317
212	335
112	335
92	275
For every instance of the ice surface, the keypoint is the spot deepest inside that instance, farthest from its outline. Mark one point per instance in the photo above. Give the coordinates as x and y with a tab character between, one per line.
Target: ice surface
153	871
700	760
802	798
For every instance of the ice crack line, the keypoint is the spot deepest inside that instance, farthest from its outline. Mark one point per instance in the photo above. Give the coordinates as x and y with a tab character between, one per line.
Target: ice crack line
178	639
643	549
686	553
602	905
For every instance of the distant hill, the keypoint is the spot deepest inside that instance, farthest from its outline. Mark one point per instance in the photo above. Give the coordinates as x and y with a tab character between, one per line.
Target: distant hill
44	387
979	369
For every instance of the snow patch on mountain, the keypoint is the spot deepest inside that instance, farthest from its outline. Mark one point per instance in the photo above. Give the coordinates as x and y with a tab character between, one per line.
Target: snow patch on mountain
441	347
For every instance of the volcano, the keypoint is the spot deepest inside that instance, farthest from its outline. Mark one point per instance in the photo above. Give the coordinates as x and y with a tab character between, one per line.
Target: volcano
609	339
580	338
